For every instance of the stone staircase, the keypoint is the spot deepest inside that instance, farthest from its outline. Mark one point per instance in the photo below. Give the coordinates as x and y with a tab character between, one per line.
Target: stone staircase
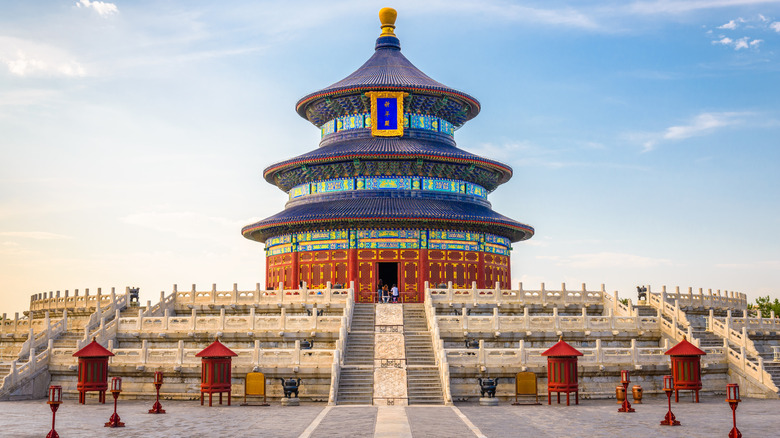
356	386
645	310
356	381
423	382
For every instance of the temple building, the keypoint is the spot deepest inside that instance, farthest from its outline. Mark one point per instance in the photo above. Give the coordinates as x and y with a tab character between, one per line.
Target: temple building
388	195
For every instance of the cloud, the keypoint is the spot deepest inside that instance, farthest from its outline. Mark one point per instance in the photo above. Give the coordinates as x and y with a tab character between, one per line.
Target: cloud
186	224
731	25
102	8
607	260
702	124
35	235
775	26
27	58
764	264
739	44
680	7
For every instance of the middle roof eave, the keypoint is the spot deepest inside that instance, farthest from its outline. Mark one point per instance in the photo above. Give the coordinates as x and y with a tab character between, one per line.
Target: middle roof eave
387	148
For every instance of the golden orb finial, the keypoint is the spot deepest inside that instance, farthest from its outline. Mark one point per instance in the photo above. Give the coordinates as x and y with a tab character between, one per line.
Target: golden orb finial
387	17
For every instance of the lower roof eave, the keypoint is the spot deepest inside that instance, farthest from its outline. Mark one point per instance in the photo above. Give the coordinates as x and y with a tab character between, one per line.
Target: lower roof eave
261	231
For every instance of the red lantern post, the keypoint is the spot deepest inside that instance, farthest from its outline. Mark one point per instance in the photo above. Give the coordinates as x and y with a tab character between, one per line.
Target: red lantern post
116	388
158	380
669	420
732	391
55	399
625	379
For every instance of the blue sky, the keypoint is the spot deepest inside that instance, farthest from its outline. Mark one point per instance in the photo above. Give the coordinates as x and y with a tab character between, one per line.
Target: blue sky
643	134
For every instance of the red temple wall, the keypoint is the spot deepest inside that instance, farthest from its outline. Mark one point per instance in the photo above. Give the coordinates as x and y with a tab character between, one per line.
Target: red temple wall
415	266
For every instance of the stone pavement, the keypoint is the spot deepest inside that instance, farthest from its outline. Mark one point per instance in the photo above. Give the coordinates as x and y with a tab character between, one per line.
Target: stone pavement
592	418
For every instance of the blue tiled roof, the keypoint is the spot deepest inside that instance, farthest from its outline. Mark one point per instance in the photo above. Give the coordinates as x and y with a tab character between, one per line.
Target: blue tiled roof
375	210
387	69
388	148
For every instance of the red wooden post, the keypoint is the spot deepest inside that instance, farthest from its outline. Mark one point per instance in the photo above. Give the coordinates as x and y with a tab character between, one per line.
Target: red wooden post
93	371
116	388
732	390
625	379
157	407
562	371
215	371
669	420
55	398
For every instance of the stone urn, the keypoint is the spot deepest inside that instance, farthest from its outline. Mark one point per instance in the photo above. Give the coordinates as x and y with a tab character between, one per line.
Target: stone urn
620	394
488	386
290	387
636	391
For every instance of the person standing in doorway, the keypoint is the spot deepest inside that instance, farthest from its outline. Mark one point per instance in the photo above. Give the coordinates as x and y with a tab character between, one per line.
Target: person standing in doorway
379	292
385	294
395	293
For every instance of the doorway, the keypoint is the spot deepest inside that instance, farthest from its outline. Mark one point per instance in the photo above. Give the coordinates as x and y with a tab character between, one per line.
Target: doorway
388	273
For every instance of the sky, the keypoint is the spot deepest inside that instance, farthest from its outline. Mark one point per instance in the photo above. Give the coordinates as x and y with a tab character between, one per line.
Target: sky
644	135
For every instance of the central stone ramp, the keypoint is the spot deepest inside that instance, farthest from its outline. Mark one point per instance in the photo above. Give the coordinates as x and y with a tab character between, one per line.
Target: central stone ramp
389	357
422	374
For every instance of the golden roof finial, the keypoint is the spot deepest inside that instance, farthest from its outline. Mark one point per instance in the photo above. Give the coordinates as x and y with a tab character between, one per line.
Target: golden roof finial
387	17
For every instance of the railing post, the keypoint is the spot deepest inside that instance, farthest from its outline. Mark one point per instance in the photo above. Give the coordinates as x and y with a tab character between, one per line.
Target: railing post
256	353
744	334
634	353
543	295
522	352
526	319
222	318
556	319
166	315
235	293
194	318
283	316
214	293
144	350
611	315
193	293
496	320
599	352
252	319
585	320
139	322
617	301
180	352
257	293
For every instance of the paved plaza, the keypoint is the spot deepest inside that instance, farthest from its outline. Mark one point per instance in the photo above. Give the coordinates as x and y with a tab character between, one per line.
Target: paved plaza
592	418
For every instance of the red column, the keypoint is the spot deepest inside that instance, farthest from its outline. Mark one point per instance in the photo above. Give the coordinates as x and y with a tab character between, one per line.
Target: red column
481	270
508	272
296	275
423	274
352	270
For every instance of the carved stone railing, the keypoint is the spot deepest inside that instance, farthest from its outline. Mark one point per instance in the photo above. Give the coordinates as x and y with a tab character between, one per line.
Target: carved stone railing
725	300
633	356
438	345
167	324
51	331
56	302
323	297
498	323
180	357
22	373
520	296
